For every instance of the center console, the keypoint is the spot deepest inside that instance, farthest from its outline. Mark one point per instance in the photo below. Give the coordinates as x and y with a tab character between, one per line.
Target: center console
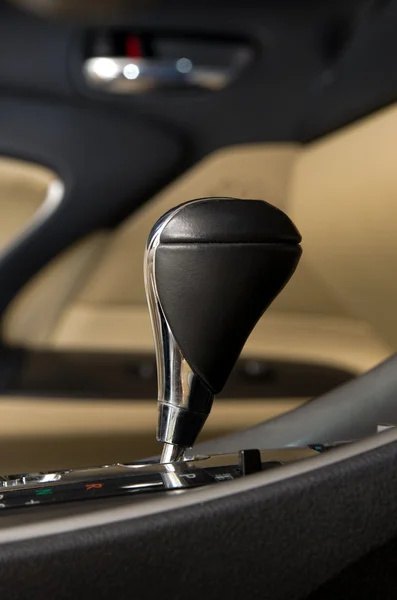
212	267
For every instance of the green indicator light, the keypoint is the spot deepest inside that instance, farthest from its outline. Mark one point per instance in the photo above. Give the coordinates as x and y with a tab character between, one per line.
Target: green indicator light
44	492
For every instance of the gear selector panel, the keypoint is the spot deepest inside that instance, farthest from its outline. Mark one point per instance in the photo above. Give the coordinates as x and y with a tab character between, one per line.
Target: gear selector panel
36	489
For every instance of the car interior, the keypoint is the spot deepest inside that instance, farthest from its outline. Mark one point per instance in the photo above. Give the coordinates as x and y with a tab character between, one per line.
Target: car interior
197	199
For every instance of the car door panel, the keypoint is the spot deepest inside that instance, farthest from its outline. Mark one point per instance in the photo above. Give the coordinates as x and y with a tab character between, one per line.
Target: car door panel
361	81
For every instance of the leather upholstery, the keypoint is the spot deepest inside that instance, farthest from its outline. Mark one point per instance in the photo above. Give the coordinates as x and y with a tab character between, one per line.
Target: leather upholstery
343	198
308	321
213	295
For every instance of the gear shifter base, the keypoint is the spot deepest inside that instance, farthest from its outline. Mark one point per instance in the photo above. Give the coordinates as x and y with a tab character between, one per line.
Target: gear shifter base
178	425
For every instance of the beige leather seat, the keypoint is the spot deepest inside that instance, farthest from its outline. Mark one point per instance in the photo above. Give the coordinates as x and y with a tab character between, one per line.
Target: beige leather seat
337	309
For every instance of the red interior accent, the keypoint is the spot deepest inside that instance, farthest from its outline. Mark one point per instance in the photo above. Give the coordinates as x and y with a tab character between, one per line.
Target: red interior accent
133	47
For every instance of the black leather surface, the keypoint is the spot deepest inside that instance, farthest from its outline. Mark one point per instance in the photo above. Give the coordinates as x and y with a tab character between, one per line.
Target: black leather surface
350	411
275	542
213	294
373	577
229	220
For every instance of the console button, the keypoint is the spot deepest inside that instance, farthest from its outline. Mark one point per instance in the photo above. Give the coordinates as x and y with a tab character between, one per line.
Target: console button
250	461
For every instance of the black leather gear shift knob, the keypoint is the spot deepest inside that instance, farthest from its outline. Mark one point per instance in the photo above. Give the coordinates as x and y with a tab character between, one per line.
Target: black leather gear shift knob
213	266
